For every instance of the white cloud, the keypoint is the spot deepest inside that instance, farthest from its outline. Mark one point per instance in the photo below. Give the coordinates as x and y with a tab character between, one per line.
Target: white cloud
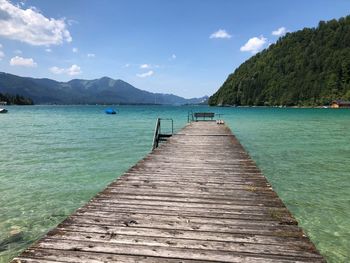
25	62
146	74
91	55
2	54
173	56
254	45
145	66
71	71
57	70
17	51
30	26
127	65
74	70
279	32
48	50
75	49
221	33
72	22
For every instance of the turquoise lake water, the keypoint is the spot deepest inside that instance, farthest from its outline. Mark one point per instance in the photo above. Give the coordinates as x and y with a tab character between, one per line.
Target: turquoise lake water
55	158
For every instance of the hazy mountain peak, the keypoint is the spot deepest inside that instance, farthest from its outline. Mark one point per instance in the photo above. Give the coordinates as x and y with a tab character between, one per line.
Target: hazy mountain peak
104	90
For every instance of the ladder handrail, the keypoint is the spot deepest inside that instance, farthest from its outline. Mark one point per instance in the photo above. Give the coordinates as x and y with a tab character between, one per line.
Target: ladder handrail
157	135
190	117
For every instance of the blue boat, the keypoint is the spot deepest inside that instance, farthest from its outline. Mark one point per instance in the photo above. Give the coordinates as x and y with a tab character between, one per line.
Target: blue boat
110	111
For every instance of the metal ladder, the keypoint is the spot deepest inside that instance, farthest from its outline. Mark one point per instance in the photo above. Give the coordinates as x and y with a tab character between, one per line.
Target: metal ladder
158	136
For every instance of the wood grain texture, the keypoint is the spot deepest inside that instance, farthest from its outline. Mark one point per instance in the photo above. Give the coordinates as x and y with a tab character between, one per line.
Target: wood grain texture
197	198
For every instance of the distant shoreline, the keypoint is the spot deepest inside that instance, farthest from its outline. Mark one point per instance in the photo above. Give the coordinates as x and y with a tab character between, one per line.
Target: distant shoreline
110	104
184	105
282	107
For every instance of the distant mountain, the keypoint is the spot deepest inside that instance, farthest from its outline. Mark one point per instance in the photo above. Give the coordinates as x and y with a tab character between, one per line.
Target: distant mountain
78	91
309	67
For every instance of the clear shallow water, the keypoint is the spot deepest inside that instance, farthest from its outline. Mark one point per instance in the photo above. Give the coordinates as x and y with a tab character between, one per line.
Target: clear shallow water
55	158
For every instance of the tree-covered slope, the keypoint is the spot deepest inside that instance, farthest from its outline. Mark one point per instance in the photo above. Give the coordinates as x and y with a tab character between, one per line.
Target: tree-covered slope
15	99
309	67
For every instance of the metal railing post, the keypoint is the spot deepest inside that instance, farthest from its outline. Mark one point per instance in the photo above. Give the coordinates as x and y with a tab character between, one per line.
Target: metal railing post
158	136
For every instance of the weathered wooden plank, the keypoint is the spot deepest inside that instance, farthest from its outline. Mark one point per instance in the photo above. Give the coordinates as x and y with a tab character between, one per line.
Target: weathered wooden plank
212	186
252	215
166	252
196	182
247	190
235	195
268	213
83	257
54	255
31	260
192	199
177	219
238	247
172	203
270	230
184	234
197	198
194	178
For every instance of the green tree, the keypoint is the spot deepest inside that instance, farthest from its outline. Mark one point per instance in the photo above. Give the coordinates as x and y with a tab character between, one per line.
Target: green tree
307	67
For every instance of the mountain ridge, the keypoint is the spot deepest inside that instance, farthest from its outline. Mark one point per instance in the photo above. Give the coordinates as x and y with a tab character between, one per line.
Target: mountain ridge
104	90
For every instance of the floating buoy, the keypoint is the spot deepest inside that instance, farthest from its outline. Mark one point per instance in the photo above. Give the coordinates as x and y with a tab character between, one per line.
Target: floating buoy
110	111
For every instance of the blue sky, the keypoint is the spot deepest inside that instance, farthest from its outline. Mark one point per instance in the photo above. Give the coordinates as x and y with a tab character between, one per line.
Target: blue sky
184	47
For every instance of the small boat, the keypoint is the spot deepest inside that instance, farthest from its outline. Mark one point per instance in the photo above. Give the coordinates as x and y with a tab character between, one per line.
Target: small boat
3	111
110	111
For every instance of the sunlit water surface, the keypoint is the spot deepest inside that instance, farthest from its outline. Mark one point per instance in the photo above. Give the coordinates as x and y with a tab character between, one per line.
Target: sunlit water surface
55	158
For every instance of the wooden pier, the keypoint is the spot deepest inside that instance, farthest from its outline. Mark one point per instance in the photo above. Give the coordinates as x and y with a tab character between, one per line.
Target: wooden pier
197	198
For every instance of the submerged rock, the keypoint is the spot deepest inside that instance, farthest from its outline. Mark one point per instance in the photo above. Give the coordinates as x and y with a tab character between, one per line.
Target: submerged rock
16	235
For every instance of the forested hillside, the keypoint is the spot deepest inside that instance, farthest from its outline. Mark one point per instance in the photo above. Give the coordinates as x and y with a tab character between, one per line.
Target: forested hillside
309	67
15	99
